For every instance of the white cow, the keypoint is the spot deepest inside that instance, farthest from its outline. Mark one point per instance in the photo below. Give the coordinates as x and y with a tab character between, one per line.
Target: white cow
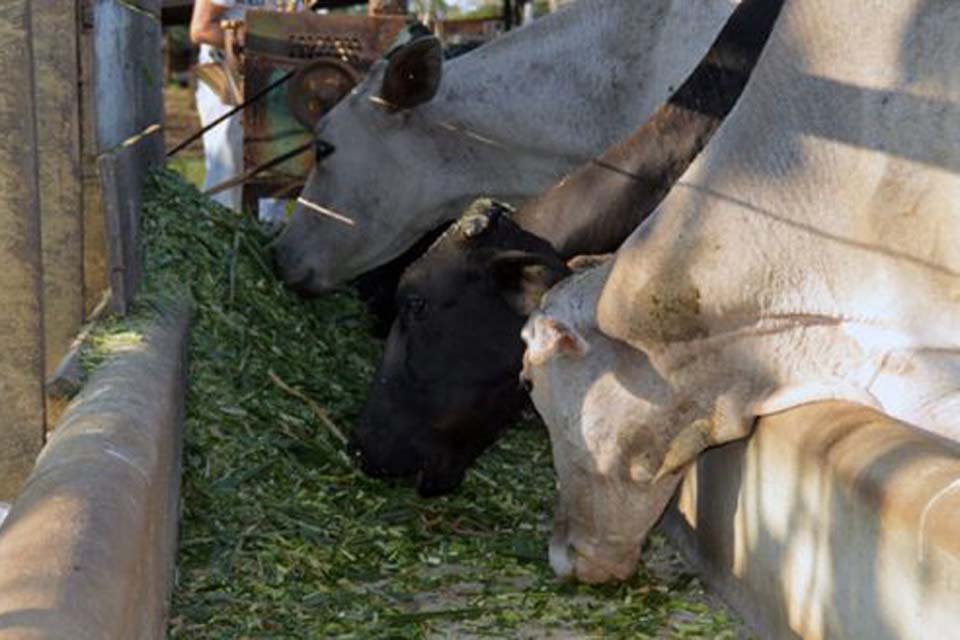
508	121
812	252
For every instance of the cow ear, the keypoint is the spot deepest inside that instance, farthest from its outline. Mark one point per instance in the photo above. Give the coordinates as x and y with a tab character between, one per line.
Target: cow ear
413	74
546	337
523	277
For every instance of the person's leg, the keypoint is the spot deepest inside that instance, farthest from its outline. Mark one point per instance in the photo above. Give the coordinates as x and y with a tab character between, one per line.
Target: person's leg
222	147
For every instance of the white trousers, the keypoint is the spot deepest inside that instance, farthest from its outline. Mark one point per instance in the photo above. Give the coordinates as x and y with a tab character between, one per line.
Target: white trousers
223	156
222	147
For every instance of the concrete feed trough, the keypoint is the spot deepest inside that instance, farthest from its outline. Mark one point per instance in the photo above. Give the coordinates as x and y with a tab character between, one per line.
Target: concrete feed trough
832	521
88	548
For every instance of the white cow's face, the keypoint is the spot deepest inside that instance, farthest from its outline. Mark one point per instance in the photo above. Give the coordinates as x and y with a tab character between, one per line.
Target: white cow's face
605	407
367	201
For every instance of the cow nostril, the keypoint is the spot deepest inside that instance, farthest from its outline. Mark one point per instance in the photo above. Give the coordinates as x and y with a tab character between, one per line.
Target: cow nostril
563	560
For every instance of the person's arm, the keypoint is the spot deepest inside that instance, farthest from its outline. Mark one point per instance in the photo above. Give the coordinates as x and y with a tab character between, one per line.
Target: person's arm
205	23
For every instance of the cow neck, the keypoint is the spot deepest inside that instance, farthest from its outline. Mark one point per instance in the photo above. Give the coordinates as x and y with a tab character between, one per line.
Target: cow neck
641	58
595	208
831	190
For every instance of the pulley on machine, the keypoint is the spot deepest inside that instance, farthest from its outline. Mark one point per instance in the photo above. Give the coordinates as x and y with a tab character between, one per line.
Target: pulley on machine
317	87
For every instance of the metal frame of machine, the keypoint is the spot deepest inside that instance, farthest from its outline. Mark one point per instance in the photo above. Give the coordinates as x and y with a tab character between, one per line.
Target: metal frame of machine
329	55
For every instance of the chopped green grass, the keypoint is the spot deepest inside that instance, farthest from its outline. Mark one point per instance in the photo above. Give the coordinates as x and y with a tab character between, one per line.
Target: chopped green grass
281	537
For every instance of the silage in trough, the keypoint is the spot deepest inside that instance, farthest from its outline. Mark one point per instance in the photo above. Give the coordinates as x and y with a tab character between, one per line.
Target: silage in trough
281	537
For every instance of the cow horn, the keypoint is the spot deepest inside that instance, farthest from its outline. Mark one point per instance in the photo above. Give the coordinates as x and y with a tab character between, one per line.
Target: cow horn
685	447
480	214
729	421
473	225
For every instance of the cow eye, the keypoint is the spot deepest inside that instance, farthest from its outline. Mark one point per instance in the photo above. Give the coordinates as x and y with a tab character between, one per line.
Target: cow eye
413	306
322	149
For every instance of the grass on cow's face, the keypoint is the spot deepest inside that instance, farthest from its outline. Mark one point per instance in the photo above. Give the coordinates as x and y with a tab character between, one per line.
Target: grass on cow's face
281	537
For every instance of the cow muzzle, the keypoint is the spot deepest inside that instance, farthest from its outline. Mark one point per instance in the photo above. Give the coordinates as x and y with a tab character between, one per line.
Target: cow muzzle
298	276
572	564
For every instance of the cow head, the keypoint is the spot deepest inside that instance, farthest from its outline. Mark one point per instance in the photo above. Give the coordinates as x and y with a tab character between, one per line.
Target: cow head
607	410
345	218
448	383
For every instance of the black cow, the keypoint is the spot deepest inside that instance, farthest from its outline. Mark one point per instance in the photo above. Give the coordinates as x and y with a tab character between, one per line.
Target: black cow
447	385
419	404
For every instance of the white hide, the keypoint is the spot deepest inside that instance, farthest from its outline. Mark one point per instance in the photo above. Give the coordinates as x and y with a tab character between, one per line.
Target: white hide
811	252
509	120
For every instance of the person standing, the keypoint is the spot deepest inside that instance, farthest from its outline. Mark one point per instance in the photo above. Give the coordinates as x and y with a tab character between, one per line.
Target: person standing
218	92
